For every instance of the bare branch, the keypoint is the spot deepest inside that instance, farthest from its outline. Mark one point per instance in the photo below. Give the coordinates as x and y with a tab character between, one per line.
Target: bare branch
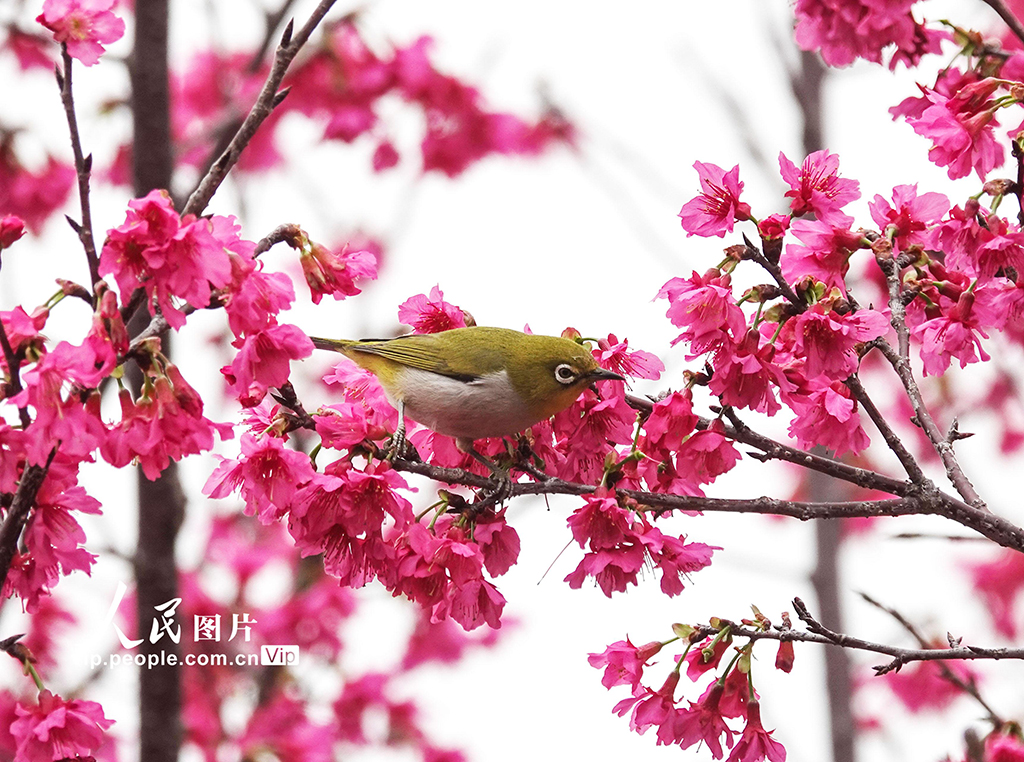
891	438
967	686
286	51
818	633
15	373
83	168
10	532
1007	16
940	443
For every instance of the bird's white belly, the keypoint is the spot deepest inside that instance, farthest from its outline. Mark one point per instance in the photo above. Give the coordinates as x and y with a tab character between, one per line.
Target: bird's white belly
485	407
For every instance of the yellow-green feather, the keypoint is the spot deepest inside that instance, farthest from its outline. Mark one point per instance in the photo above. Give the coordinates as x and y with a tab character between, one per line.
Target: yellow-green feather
467	353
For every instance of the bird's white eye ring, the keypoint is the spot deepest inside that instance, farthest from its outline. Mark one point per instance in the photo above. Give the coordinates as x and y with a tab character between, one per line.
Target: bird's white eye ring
565	374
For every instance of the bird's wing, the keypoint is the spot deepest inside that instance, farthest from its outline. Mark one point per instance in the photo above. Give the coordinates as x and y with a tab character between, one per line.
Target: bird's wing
415	351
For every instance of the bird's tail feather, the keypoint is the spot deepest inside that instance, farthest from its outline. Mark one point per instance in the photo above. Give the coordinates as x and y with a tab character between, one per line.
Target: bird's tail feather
334	345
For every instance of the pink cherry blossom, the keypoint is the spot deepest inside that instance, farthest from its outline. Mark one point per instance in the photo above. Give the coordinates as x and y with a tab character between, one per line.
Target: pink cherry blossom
828	339
700	722
756	743
53	542
263	361
623	662
909	216
649	708
744	376
1004	748
430	314
816	188
267	473
962	129
708	453
85	26
718	207
675	558
844	30
828	416
616	355
704	656
825	253
57	729
12	228
704	306
957	333
671	421
335	272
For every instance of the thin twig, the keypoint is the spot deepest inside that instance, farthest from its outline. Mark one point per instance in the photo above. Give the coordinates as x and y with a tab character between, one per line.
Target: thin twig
1007	16
14	370
818	633
83	168
774	450
268	99
754	254
967	686
942	446
897	310
891	438
10	532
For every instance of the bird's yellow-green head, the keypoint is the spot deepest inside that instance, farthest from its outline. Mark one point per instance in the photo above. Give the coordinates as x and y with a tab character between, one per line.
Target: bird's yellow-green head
477	382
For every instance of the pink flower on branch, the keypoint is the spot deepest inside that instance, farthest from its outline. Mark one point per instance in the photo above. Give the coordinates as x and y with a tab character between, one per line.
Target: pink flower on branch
828	339
623	662
961	128
85	26
55	729
718	207
335	273
828	416
825	253
755	743
431	314
702	721
910	215
844	30
12	228
816	188
705	308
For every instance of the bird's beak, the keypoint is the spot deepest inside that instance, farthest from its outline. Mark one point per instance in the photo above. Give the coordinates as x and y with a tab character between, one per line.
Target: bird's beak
602	374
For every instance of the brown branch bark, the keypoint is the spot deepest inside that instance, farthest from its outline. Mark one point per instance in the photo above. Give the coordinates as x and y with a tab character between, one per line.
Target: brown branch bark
83	168
968	687
17	515
268	99
818	633
1007	16
161	502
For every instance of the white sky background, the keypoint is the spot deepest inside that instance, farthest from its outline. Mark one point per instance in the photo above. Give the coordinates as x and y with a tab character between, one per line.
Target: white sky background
582	239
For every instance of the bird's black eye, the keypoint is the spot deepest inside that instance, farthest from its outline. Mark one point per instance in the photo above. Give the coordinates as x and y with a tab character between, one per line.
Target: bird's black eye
565	374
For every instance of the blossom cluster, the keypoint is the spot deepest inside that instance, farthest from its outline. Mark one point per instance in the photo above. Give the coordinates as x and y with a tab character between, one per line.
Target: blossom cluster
730	695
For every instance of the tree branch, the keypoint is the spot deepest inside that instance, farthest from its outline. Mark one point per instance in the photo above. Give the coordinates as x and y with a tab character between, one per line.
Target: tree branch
83	169
17	515
1007	16
895	443
940	443
967	686
269	98
13	368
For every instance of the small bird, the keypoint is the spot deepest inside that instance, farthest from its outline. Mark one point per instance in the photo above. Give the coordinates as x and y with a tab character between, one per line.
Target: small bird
476	382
